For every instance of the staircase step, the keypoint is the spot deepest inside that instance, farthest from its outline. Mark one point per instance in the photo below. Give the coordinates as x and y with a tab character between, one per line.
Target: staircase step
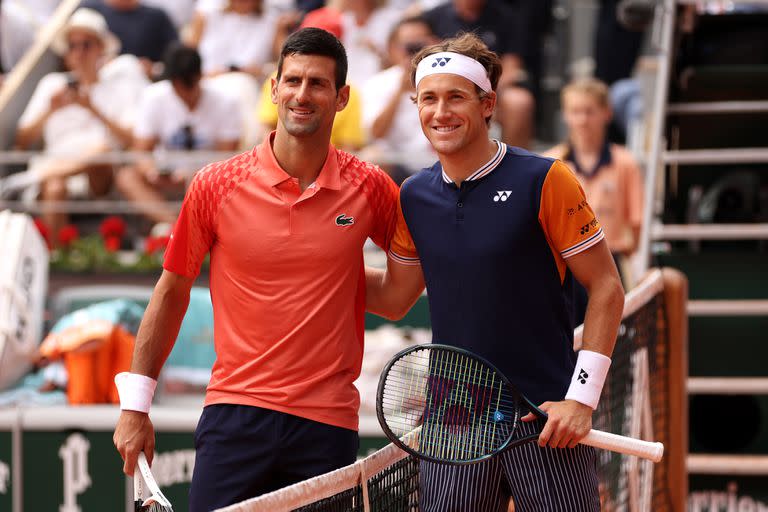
717	156
728	307
728	385
717	107
711	464
710	232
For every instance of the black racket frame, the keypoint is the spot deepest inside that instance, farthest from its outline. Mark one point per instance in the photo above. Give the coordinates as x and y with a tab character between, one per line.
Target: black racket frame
519	399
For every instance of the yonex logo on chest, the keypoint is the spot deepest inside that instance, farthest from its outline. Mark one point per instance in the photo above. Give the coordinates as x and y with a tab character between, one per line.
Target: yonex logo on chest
441	61
343	220
502	195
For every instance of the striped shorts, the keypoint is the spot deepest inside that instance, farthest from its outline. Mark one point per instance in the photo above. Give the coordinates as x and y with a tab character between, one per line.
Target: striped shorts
537	479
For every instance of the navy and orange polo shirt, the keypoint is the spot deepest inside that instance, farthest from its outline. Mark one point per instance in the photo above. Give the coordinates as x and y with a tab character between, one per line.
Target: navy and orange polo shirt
493	254
287	277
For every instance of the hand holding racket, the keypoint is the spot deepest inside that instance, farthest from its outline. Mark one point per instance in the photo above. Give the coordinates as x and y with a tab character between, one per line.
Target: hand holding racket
563	421
443	404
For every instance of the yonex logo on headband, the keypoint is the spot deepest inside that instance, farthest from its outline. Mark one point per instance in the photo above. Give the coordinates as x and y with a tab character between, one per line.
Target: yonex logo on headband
455	64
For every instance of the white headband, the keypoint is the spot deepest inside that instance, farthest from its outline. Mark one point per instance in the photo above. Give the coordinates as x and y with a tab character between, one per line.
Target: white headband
454	64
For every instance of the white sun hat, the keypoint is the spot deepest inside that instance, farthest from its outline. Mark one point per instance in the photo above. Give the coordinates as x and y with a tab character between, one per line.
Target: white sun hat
91	21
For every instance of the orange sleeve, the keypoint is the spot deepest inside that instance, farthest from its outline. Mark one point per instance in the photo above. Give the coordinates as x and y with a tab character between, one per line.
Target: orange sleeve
402	249
565	216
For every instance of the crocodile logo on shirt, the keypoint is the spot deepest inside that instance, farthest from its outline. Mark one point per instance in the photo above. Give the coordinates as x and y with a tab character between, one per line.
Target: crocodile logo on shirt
343	220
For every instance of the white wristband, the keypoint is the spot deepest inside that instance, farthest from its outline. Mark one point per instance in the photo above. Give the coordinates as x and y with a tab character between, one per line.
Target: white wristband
135	391
588	378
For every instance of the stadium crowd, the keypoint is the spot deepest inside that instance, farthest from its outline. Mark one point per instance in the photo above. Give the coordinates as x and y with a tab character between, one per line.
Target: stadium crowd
146	93
196	75
161	77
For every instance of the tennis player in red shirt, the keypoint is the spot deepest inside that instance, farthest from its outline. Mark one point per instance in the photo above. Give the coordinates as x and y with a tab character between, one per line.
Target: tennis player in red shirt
284	224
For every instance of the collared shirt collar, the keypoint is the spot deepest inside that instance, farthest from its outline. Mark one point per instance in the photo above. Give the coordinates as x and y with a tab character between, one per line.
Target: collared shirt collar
605	159
486	168
329	176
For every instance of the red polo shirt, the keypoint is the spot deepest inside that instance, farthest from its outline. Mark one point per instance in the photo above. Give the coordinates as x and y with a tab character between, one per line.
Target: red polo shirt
287	277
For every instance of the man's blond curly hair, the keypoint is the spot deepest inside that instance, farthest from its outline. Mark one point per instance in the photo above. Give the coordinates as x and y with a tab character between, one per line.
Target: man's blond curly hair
473	47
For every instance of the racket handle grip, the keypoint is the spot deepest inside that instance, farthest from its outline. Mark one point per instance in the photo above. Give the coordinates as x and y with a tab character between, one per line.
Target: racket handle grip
650	450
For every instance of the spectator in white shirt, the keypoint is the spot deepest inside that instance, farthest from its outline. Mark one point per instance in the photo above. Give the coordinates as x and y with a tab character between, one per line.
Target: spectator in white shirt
179	113
78	114
389	115
240	37
366	26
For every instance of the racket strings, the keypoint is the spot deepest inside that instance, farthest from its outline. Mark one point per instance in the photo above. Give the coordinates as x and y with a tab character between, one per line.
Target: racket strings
464	409
150	507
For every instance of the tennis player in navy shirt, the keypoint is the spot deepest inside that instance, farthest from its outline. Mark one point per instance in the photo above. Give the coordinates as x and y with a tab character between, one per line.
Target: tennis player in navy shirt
498	235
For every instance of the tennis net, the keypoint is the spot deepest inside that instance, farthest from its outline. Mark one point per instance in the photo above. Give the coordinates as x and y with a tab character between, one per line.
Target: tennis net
643	397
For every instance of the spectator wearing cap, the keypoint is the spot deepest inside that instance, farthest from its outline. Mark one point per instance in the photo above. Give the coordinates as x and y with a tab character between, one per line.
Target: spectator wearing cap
347	133
178	113
143	31
390	118
240	37
78	114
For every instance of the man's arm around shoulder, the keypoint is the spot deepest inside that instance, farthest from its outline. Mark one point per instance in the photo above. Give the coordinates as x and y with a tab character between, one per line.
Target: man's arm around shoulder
392	292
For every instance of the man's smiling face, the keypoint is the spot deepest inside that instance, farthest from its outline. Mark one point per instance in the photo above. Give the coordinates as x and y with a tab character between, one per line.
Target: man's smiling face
306	95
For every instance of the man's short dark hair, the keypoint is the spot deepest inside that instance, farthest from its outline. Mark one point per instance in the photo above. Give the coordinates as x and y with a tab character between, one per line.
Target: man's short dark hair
182	63
316	41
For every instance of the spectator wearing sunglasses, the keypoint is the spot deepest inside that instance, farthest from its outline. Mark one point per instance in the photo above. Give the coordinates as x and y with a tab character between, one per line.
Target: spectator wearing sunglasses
77	115
180	113
389	116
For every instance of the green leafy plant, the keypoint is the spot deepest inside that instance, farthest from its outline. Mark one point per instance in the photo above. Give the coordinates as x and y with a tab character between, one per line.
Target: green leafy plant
101	252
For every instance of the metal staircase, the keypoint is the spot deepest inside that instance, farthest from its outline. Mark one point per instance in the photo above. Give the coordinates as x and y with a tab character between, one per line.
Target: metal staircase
704	125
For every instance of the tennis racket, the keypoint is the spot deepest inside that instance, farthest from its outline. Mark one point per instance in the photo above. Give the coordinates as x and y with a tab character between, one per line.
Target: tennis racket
156	502
446	405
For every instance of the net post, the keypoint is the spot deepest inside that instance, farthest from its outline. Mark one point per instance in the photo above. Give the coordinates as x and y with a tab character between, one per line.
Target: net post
646	413
675	305
635	425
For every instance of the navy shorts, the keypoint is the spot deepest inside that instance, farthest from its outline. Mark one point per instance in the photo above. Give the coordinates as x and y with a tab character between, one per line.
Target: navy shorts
244	451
